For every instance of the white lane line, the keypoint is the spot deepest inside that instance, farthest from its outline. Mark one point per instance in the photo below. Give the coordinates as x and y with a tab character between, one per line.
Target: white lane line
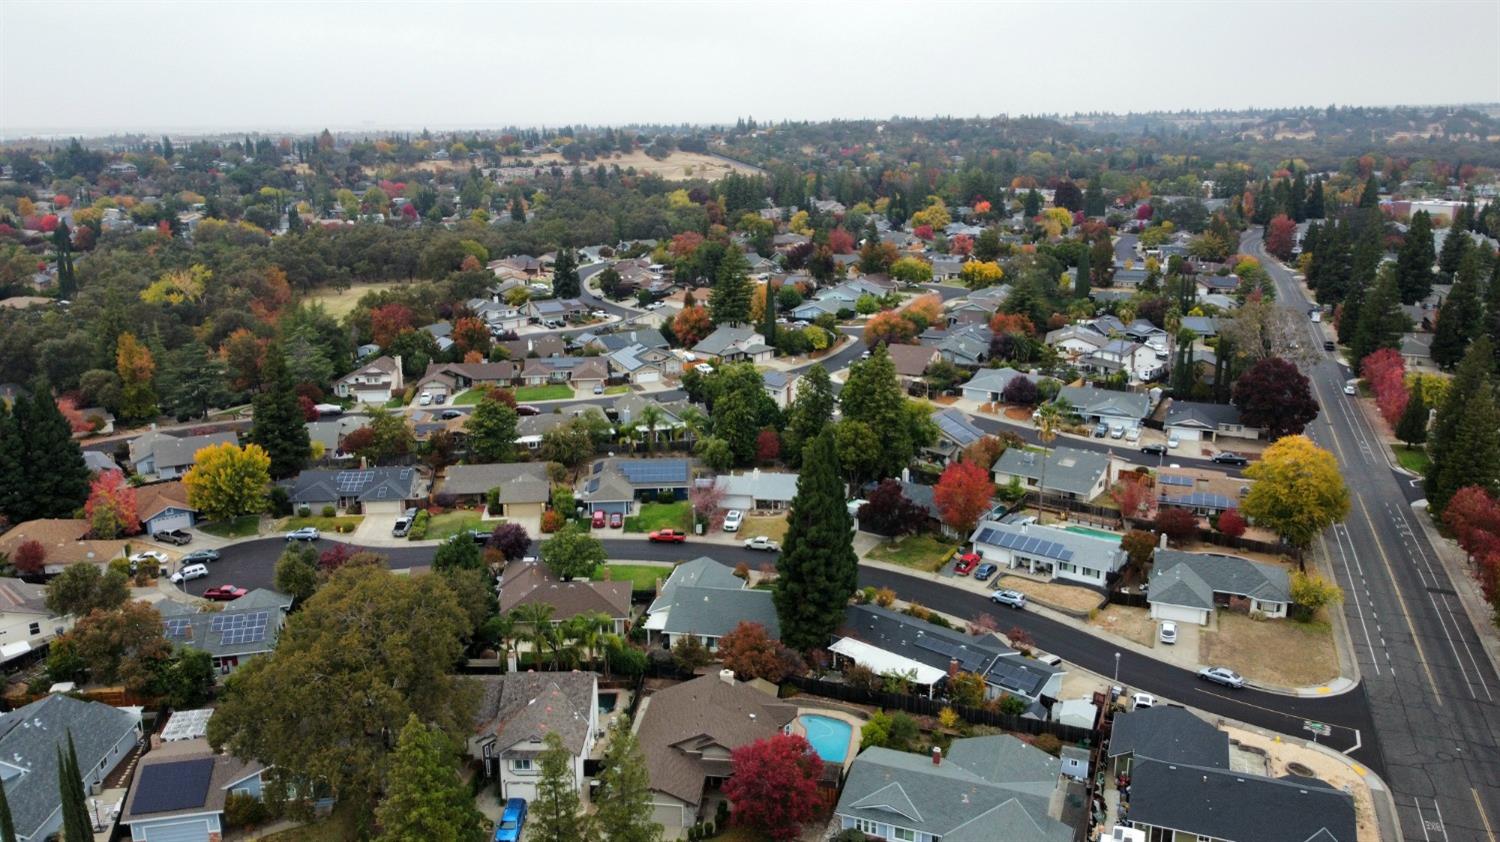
1339	535
1421	821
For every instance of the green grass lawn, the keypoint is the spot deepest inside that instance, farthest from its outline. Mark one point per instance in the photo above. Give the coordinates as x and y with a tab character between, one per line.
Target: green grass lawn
323	524
446	526
616	390
555	392
642	577
654	516
395	403
340	825
469	398
923	552
240	527
1413	459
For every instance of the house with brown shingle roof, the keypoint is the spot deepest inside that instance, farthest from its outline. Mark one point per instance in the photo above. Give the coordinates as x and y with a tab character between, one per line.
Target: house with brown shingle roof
63	539
687	733
163	506
911	361
530	583
516	713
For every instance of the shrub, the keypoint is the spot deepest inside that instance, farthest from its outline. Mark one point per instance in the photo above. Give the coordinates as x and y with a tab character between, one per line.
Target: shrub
1049	743
948	718
916	609
884	597
493	499
721	815
552	521
666	497
742	570
625	660
243	810
329	511
419	525
280	501
304	510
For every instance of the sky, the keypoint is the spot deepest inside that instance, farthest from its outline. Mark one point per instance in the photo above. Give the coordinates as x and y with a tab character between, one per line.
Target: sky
120	65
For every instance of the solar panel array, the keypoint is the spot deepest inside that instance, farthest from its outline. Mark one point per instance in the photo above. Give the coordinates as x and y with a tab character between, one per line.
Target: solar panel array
1027	544
956	429
1169	479
237	629
167	787
350	482
177	627
651	471
1202	500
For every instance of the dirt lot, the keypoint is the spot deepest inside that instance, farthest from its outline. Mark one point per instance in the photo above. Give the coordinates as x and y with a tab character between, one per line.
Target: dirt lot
1259	650
1338	774
676	167
339	304
1130	623
1053	594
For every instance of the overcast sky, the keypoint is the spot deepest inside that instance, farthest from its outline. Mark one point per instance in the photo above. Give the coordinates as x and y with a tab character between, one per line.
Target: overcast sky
70	67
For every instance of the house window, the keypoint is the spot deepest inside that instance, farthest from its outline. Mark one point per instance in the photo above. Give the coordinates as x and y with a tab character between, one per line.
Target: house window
901	834
34	628
867	826
521	764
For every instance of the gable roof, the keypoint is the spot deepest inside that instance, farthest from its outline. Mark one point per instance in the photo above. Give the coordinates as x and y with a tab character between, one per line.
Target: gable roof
382	367
1049	542
911	360
479	479
365	485
1225	804
531	583
29	739
522	706
246	626
1091	401
704	597
992	379
62	538
1208	416
760	485
173	451
726	338
1192	579
955	426
1068	469
18	597
182	778
1171	734
152	500
1078	332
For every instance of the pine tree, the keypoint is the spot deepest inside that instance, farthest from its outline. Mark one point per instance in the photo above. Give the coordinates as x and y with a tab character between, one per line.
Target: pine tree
1315	201
810	412
1032	204
730	303
565	274
1081	283
7	824
1093	197
624	801
768	318
1331	267
1461	318
1412	428
1381	321
1414	262
279	426
75	815
53	479
14	496
1370	196
1462	452
166	147
1492	309
1297	208
62	241
556	814
817	568
1455	245
424	797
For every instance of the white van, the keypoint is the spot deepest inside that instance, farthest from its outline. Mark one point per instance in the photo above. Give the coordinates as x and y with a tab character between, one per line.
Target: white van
192	571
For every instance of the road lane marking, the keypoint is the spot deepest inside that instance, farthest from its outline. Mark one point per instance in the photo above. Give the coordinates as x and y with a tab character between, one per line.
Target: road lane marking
1479	805
1338	537
1405	610
1421	820
1441	825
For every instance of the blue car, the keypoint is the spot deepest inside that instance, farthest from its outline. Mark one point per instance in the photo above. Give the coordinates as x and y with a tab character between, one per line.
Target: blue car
512	821
984	571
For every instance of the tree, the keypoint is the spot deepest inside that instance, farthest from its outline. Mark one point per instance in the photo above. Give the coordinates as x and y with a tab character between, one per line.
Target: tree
75	815
42	472
111	507
1412	428
555	813
31	558
192	381
1310	593
810	412
572	553
889	327
730	302
424	797
296	572
895	731
1274	396
123	646
1414	260
227	480
390	642
774	785
691	325
767	446
136	367
565	274
872	395
963	494
817	566
1381	321
1455	245
978	274
751	653
278	425
471	335
492	431
1281	236
459	552
1473	516
741	409
83	588
1298	491
624	800
1461	318
911	270
1178	524
1139	545
888	512
511	540
385	438
1464	443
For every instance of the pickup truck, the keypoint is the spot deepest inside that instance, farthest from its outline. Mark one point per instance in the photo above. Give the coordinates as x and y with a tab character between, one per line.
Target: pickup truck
176	537
761	542
667	536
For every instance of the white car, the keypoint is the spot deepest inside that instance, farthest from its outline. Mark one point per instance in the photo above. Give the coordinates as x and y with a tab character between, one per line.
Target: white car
1222	675
761	542
1168	632
1349	389
599	314
425	399
1133	434
1116	430
192	571
655	305
703	368
1015	599
1173	441
733	519
148	555
1141	701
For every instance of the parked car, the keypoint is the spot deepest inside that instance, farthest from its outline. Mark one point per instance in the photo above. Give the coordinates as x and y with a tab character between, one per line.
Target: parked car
703	368
616	520
524	410
598	388
1116	430
1230	458
1154	449
224	593
1328	345
450	414
1168	632
1015	599
1222	675
200	557
306	533
1101	430
425	398
1173	441
599	314
761	542
598	520
440	398
176	537
1141	701
667	536
512	821
732	520
984	571
148	555
966	564
1350	390
402	527
480	536
189	573
1133	434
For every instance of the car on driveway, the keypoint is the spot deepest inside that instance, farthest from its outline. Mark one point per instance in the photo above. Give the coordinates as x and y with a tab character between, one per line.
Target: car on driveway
1173	441
1222	675
1015	599
616	520
1141	701
1154	449
984	571
1116	430
173	536
1133	434
761	542
1101	430
599	314
224	593
732	520
306	533
667	536
512	822
966	564
148	555
200	557
598	519
1229	458
1168	632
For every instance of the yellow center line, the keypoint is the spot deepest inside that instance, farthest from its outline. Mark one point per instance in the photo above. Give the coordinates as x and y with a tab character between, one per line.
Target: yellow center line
1479	805
1405	611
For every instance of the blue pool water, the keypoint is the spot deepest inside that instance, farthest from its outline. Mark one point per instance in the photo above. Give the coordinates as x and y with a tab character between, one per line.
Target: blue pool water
829	736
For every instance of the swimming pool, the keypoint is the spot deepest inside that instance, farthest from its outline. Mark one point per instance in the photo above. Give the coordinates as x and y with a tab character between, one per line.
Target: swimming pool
829	736
1093	533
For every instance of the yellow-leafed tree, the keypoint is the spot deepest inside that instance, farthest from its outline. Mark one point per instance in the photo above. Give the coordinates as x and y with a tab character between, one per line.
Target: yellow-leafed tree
228	480
1298	491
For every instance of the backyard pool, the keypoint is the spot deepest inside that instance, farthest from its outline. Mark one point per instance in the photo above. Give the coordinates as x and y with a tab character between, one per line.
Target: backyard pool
829	737
1094	533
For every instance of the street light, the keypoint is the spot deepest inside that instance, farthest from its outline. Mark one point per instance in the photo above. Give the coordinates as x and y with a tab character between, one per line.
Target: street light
1117	667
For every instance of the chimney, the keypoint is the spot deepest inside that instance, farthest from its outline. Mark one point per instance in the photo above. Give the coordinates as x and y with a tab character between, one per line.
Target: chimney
1163	542
937	756
755	474
952	667
726	676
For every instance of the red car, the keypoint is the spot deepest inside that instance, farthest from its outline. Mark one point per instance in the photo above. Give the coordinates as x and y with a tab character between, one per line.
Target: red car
966	564
224	593
615	521
668	536
598	519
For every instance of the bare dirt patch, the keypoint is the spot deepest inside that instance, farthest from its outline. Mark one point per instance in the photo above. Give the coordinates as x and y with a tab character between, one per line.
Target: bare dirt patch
1018	413
1130	623
678	166
341	303
1054	595
1284	653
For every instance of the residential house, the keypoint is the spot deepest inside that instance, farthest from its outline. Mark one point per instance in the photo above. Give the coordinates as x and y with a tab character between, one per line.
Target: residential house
1111	407
331	432
615	484
1191	421
884	640
988	384
518	710
1167	733
531	428
499	316
442	334
179	791
374	382
1138	362
556	309
780	385
809	311
450	379
984	789
1148	334
642	365
1048	552
159	454
243	629
26	623
687	733
1188	587
704	599
366	490
788	241
1211	284
164	506
649	337
1178	801
530	583
63	540
978	307
524	483
522	267
1076	341
582	372
912	361
1067	472
946	268
534	346
765	491
98	462
1206	327
734	343
670	426
955	433
32	738
964	345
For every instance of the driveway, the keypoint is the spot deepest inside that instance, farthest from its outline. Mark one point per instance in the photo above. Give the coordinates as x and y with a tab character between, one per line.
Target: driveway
374	529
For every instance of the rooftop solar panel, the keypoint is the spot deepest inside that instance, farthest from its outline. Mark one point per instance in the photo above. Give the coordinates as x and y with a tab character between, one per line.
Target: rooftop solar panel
1169	479
177	627
168	787
1201	500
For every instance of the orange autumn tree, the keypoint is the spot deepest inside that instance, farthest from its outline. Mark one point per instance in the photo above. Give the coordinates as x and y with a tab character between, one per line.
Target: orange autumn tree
963	495
888	328
691	325
925	309
111	507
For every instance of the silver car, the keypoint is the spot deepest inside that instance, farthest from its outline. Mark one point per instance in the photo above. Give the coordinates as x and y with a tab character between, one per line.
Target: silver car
1015	599
1222	675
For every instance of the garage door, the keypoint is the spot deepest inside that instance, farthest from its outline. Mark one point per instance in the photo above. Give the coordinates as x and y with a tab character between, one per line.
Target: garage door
188	830
385	507
648	377
166	522
610	508
520	789
1185	433
1179	613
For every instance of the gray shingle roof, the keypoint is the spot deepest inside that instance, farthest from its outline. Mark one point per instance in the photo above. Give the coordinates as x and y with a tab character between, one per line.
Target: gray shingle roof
219	633
366	485
1224	804
174	451
479	479
1068	470
1169	734
1090	401
1191	579
760	485
33	734
992	379
723	338
519	706
714	612
1205	415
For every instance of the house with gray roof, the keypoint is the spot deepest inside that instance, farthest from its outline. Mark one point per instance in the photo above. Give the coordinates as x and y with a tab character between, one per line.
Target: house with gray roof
1205	326
31	737
704	599
368	490
1067	472
650	337
518	710
1140	363
945	268
615	484
780	385
1167	733
966	345
330	433
1094	405
166	456
1182	801
1047	552
988	384
1193	421
758	490
523	486
639	364
245	628
809	311
955	433
1188	587
984	789
734	343
180	789
1076	340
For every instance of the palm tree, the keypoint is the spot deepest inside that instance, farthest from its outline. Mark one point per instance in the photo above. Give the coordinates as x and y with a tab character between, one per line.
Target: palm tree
587	630
505	630
651	418
625	433
537	619
1048	419
693	421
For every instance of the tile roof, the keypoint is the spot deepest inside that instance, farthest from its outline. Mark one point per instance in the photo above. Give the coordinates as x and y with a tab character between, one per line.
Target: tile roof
1224	804
30	737
531	583
522	706
1170	734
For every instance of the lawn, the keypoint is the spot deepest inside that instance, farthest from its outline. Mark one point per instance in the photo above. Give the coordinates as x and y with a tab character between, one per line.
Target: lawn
555	392
445	526
340	825
1053	594
616	390
240	527
773	527
469	398
341	303
1285	653
654	516
323	524
395	403
1130	623
923	552
642	577
1413	459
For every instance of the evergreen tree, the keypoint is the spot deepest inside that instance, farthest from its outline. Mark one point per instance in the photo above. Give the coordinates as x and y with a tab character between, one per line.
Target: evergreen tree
1032	204
492	431
53	480
872	394
624	801
1464	442
565	274
1455	245
1412	428
7	824
1081	282
730	303
1381	321
1330	269
1369	247
817	568
810	412
166	147
14	496
1414	262
62	241
1461	318
279	426
556	814
768	318
1297	207
75	814
192	381
1314	208
517	206
1370	196
424	797
1492	309
1093	197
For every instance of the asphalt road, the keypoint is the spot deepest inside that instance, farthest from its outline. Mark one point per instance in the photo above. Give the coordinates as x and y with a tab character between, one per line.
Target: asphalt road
1431	689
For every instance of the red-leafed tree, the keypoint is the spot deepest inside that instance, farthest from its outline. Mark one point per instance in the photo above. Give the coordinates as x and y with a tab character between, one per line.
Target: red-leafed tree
511	540
767	445
1179	525
1385	371
1012	323
1473	516
358	440
309	408
1231	523
49	223
76	421
923	232
388	321
841	241
471	334
751	653
774	785
982	207
1144	212
334	557
111	507
887	511
1274	396
1281	236
1131	496
30	557
963	494
889	328
961	245
691	325
684	244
